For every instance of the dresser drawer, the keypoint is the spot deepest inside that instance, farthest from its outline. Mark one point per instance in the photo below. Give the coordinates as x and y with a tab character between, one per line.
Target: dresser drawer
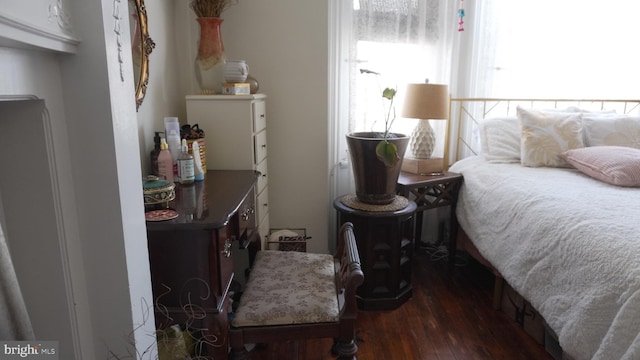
225	263
259	116
263	179
260	146
263	229
246	217
262	206
189	264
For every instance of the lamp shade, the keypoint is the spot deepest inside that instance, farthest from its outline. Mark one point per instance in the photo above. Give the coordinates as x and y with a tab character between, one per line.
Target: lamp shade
426	101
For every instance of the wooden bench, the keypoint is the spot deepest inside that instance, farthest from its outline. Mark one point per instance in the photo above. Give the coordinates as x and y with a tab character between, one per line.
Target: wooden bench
295	295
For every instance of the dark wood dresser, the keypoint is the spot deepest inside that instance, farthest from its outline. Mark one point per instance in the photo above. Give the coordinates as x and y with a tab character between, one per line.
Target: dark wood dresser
191	256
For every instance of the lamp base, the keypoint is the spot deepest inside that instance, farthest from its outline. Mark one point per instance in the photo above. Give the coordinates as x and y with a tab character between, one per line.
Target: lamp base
430	166
423	140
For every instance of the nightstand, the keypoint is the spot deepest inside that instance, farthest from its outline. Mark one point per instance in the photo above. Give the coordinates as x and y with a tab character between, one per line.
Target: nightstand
430	192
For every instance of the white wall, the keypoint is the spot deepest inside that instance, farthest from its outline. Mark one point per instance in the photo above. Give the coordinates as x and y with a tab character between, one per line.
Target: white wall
164	96
103	142
285	44
95	180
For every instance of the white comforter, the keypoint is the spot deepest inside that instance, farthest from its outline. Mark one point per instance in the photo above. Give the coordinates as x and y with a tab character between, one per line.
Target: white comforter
567	243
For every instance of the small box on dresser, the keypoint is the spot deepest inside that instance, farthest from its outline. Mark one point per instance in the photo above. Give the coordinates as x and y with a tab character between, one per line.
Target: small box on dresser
236	88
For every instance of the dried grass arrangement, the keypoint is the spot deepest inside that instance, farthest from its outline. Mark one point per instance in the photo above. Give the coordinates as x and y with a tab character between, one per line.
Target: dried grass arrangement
211	8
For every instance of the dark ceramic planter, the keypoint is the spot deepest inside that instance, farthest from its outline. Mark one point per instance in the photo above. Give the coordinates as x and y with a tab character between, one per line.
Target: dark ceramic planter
375	182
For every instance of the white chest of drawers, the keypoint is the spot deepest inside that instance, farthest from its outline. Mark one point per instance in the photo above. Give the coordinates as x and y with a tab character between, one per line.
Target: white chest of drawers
235	128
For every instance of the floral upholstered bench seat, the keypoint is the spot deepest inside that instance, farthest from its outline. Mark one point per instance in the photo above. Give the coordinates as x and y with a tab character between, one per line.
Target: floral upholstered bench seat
296	295
288	287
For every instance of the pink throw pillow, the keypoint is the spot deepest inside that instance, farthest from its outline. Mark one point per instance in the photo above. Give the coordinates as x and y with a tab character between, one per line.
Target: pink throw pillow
616	165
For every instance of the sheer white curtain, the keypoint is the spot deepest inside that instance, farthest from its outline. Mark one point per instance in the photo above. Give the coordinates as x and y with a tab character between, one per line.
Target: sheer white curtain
555	49
405	41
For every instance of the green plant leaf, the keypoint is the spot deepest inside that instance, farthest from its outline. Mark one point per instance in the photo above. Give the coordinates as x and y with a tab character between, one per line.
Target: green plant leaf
389	93
387	153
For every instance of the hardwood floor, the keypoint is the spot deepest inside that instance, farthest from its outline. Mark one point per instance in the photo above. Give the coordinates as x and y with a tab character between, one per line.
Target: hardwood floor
450	316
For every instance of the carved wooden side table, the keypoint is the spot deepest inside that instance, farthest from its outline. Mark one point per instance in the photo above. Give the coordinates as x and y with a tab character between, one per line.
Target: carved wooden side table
430	192
384	234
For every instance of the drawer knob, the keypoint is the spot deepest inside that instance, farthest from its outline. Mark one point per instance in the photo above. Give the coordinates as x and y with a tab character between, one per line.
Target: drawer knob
226	252
246	214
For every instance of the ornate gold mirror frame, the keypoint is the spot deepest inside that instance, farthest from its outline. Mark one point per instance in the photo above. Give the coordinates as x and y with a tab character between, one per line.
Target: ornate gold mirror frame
141	47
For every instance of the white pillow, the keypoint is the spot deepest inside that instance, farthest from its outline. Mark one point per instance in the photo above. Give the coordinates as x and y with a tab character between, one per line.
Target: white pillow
611	130
547	134
593	112
500	139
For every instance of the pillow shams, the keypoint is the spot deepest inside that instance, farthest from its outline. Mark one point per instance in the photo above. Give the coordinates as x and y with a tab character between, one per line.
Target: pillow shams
546	135
612	130
614	165
500	139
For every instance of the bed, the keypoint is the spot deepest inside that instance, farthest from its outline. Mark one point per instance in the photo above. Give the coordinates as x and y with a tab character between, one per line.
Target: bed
561	233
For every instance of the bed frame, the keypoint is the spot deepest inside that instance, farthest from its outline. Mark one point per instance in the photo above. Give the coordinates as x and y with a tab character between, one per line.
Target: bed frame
461	142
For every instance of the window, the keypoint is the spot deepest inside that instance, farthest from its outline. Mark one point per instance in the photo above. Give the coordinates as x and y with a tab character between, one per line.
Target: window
510	48
569	48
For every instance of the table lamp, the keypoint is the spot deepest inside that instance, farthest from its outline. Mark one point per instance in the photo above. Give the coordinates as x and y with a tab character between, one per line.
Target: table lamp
425	102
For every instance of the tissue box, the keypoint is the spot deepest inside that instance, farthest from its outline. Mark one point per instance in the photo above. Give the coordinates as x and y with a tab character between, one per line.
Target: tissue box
236	88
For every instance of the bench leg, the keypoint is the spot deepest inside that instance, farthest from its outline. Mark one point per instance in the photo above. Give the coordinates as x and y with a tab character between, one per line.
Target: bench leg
239	354
346	350
236	342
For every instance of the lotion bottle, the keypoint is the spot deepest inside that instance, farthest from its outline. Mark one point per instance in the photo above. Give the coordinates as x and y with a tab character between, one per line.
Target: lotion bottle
173	140
165	162
185	165
198	171
172	132
154	153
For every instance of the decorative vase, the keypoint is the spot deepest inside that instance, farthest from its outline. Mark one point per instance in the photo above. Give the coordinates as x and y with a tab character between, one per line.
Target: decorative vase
210	62
254	85
375	182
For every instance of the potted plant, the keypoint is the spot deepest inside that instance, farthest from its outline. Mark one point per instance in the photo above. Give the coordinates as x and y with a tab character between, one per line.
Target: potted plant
376	157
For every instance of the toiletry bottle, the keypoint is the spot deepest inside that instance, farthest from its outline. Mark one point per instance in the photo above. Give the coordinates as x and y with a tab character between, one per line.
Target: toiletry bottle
154	153
198	171
185	165
165	162
173	139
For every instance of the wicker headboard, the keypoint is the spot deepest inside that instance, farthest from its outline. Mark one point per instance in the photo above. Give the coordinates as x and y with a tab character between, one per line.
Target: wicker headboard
466	113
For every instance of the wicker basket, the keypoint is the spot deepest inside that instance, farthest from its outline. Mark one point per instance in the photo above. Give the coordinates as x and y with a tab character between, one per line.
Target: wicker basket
288	240
191	134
